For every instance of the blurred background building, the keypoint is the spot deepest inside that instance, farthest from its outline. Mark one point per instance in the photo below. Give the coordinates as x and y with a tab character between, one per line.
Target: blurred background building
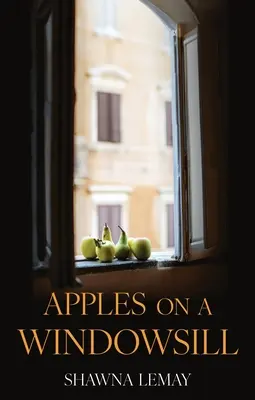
123	129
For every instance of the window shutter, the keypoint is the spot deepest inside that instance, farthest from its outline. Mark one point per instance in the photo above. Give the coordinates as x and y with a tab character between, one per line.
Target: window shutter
110	214
103	217
103	116
169	135
115	117
170	225
114	221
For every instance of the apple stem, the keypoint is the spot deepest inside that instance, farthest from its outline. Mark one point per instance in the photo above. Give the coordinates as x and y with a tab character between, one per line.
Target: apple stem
97	242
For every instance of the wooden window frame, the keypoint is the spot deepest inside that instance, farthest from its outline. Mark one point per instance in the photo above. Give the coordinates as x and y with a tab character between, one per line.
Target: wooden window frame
61	259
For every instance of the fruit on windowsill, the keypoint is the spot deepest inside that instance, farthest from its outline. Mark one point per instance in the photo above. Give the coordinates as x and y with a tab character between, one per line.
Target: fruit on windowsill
107	234
141	248
88	248
130	254
105	250
122	247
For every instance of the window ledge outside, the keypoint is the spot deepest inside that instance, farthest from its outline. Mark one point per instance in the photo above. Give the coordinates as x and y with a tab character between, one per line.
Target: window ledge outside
108	32
124	148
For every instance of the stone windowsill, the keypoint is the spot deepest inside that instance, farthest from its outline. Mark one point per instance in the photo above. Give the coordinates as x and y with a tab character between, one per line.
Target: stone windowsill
83	266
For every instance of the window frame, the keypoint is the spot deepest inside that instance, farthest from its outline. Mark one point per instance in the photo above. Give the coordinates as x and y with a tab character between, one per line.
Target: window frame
194	250
62	272
61	259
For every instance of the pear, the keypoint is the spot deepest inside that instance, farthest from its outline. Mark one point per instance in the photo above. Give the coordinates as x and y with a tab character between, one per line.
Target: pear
130	254
122	247
88	248
105	250
141	248
107	234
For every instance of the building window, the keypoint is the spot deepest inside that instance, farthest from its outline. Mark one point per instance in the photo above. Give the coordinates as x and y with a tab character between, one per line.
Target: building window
169	132
170	225
110	204
109	117
110	214
108	83
106	18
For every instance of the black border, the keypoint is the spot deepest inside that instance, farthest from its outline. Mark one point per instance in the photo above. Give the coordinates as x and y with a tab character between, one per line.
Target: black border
15	90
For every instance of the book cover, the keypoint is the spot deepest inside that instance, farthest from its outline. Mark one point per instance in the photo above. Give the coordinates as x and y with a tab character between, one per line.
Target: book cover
127	284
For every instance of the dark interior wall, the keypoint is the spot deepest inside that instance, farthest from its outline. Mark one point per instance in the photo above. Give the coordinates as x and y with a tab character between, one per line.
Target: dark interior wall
210	279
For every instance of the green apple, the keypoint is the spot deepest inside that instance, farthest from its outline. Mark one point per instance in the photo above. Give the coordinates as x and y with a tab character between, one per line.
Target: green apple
88	248
141	248
105	250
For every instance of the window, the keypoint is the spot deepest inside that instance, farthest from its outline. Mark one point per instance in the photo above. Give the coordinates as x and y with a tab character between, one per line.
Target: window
108	204
169	134
53	134
107	85
106	18
110	214
109	123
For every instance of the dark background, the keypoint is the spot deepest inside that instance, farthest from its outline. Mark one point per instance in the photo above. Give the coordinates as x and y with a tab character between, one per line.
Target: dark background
212	376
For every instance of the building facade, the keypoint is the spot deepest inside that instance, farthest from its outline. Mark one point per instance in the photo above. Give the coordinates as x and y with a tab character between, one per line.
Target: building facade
123	132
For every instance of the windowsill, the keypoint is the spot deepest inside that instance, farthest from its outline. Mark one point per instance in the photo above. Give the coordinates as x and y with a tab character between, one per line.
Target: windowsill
105	146
109	32
157	260
120	146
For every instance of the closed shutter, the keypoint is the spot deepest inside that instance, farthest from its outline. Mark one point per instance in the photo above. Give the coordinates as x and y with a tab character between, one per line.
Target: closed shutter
110	214
114	221
169	134
103	116
102	213
170	225
115	117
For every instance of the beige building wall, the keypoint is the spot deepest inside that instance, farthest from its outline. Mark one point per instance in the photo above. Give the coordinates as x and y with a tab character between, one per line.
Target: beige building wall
130	57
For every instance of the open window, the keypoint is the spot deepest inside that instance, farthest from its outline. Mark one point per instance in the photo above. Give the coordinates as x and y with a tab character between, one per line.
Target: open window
63	157
195	148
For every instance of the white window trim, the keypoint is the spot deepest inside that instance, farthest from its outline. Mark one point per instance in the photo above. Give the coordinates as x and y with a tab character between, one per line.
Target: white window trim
108	28
166	197
109	195
109	32
111	79
165	92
